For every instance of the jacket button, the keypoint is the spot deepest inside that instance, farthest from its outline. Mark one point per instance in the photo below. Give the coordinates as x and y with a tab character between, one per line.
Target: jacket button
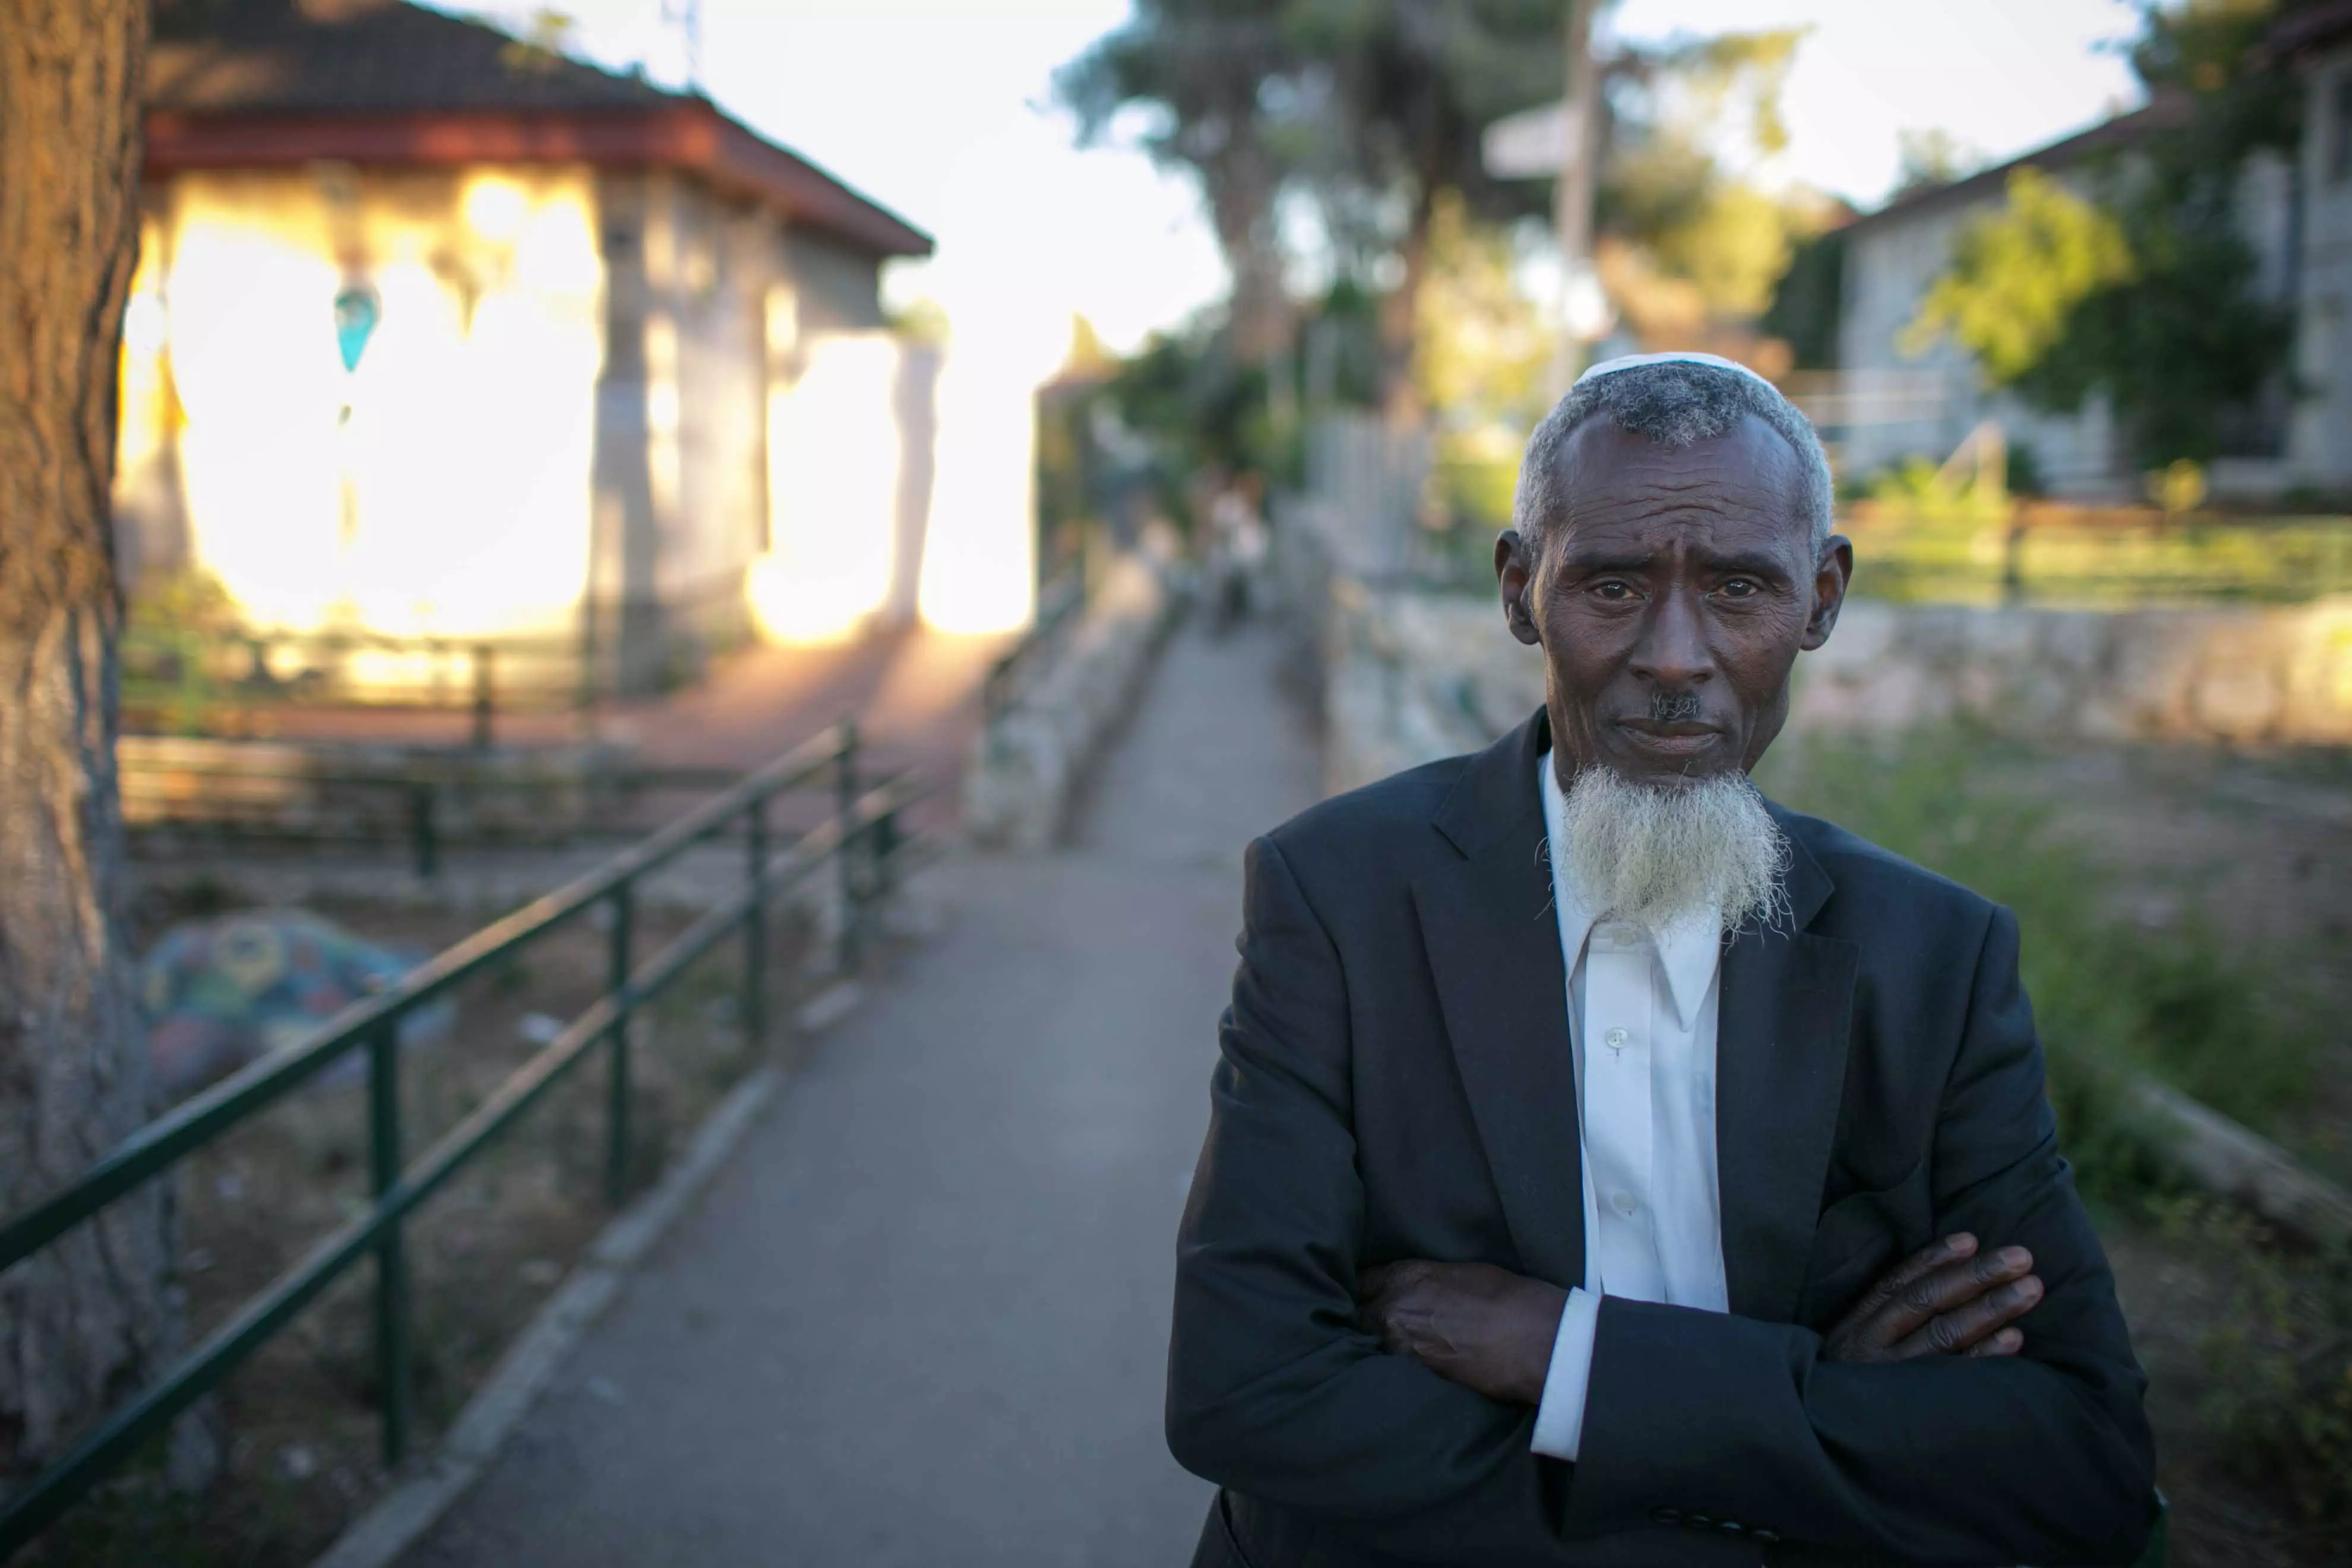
1666	1515
1732	1527
1767	1538
1698	1521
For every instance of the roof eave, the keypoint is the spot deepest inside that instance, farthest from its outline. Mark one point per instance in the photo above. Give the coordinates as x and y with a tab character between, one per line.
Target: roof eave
2122	130
690	136
2298	36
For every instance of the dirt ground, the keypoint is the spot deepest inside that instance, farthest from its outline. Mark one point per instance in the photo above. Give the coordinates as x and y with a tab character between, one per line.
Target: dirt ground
2225	1512
299	1419
2259	847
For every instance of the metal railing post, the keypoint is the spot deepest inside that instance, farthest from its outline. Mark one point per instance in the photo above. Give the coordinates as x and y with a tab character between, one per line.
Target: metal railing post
485	693
885	846
392	1347
755	928
616	1154
846	811
422	830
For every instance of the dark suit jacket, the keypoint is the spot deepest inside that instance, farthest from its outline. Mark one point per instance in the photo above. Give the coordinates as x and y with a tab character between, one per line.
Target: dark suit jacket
1396	1081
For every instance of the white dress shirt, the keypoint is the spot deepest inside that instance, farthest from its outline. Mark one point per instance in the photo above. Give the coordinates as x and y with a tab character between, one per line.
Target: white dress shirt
1641	1021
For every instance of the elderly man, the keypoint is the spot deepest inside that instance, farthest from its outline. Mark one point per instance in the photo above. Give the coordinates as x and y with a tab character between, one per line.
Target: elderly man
1607	1166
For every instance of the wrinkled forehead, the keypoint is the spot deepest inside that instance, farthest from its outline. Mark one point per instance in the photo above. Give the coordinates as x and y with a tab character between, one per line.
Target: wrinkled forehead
1614	479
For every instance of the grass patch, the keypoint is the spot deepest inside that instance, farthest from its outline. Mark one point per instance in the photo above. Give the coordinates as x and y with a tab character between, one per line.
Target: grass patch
2277	1356
2266	1377
2114	995
1956	557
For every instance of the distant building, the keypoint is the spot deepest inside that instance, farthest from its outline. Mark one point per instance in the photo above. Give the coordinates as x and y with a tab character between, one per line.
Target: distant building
1884	405
2317	41
439	332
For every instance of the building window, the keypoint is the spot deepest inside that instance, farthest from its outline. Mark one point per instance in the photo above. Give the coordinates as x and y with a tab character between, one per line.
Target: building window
2340	127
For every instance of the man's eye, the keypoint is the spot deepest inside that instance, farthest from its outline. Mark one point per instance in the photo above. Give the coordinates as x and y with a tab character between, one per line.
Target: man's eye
1741	588
1612	588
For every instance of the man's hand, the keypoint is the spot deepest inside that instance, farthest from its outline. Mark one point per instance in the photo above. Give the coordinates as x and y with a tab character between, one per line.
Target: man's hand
1946	1300
1472	1323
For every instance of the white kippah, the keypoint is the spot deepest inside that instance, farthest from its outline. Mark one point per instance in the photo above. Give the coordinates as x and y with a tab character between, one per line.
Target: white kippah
1634	362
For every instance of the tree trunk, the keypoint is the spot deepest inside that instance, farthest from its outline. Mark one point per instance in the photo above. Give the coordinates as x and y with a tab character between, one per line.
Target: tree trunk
1400	311
85	1322
1241	185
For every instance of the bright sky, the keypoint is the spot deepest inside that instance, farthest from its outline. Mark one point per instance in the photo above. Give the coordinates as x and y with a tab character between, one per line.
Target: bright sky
2002	76
933	107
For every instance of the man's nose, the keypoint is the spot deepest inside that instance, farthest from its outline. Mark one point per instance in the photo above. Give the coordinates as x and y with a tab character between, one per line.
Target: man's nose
1673	653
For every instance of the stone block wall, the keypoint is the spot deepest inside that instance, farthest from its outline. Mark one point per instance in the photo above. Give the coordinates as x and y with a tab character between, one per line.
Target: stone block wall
1029	762
1410	676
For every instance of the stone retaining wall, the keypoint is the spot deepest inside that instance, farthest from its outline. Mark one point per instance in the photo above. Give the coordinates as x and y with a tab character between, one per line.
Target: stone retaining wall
1029	762
1411	676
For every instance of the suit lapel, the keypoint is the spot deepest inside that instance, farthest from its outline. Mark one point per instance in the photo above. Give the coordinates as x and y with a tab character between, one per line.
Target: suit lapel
1493	948
1780	1047
1785	1003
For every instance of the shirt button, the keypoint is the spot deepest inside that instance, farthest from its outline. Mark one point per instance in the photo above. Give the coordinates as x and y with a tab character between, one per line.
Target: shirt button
1614	1039
1623	1201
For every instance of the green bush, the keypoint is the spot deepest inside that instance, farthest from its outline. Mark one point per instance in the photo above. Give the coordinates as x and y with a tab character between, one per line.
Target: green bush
2113	995
2276	1355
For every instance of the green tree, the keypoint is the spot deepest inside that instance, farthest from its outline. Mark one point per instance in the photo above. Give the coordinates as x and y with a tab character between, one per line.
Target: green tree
2147	291
1206	71
2019	278
1932	157
1367	110
1703	241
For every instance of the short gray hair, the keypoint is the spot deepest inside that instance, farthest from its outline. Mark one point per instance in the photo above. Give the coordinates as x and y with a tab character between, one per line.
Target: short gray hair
1676	402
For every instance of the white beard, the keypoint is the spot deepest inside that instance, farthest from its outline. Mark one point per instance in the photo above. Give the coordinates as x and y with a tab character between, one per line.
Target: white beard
1657	854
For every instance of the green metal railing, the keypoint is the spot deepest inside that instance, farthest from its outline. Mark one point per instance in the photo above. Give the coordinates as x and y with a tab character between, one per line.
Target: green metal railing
861	838
417	794
181	678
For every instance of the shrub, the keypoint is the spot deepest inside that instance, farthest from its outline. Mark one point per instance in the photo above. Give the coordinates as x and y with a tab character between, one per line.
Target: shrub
2276	1354
2113	995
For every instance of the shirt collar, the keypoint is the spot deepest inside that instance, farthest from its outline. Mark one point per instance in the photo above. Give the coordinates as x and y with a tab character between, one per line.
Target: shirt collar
1689	949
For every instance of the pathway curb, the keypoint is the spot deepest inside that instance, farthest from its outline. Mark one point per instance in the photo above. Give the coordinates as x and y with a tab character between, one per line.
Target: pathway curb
379	1537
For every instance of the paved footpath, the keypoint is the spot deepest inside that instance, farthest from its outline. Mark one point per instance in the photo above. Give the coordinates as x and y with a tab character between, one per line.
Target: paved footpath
922	1317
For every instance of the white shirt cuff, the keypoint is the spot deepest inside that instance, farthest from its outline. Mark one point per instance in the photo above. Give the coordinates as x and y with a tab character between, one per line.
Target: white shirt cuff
1560	1419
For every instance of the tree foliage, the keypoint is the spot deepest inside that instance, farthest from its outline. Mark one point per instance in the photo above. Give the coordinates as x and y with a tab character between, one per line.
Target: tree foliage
1482	348
1343	138
1690	237
2147	291
1360	112
2020	276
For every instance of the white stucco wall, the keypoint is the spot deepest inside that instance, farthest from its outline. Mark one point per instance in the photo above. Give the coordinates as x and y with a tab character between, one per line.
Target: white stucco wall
1901	406
564	424
1898	407
2320	445
438	488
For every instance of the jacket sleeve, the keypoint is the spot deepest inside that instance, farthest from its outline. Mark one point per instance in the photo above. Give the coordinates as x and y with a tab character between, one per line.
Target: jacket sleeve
1272	1388
2040	1458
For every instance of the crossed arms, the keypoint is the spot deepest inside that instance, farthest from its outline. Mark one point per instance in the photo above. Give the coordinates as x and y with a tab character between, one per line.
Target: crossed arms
1394	1407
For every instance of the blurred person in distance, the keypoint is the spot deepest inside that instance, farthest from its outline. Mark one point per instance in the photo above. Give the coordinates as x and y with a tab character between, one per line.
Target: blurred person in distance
1237	547
1607	1166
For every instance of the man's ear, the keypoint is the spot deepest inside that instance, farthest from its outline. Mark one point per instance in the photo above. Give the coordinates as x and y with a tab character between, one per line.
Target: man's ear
1832	573
1514	576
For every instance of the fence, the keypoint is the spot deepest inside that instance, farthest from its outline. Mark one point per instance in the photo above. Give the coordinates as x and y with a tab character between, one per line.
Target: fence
861	842
187	679
252	792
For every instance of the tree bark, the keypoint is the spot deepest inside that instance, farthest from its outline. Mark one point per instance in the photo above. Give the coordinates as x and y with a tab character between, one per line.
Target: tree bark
1399	318
85	1322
